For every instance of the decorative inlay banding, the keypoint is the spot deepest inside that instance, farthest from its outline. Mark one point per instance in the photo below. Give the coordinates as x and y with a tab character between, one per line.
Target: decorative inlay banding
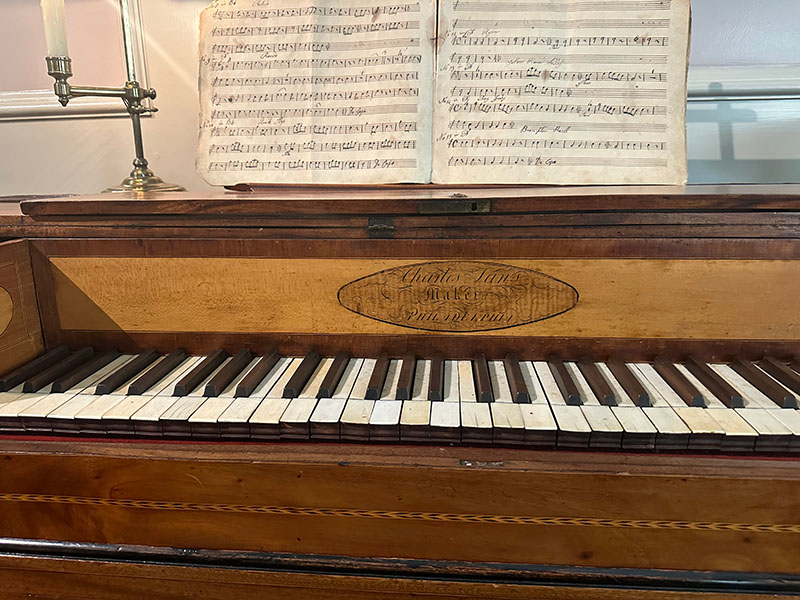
405	515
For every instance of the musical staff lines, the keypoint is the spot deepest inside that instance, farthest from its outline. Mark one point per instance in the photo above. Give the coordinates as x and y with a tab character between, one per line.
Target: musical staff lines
560	91
302	91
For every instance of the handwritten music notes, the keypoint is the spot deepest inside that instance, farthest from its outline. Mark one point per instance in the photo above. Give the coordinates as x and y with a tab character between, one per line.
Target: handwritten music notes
316	91
561	91
498	91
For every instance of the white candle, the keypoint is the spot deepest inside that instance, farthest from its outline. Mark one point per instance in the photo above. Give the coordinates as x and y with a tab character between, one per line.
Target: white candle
55	32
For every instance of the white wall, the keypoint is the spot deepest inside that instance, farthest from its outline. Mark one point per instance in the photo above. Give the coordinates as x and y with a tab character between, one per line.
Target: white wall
734	140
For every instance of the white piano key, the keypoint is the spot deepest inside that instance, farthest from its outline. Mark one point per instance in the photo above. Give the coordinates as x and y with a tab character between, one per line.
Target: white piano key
295	420
311	388
72	407
622	396
182	409
199	390
450	381
384	421
549	386
122	408
673	433
532	382
476	422
359	391
389	390
499	381
230	389
269	413
275	375
211	410
328	410
638	432
710	398
415	420
45	405
508	427
11	404
739	435
665	391
540	425
445	415
86	386
606	430
279	383
752	396
773	436
355	419
466	383
583	386
348	380
573	429
790	419
422	380
707	433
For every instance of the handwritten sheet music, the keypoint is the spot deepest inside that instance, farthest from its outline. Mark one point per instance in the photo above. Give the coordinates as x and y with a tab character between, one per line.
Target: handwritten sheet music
316	91
561	91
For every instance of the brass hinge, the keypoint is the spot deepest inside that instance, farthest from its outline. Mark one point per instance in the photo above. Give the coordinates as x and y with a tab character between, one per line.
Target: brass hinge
380	228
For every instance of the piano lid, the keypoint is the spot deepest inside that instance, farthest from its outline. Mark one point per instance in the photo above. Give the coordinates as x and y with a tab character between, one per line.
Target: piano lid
419	200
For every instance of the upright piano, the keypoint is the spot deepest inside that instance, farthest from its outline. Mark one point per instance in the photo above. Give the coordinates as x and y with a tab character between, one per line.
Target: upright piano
404	391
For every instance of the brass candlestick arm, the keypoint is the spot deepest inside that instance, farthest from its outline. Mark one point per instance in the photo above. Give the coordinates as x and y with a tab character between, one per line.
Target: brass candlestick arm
141	179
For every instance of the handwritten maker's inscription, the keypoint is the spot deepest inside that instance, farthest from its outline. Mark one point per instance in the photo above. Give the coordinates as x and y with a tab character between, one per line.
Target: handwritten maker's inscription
458	296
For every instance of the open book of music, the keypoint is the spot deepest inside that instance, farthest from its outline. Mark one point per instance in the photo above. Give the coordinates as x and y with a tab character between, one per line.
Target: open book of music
443	91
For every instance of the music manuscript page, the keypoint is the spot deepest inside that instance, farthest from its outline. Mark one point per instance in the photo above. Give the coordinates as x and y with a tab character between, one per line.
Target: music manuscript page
463	91
316	91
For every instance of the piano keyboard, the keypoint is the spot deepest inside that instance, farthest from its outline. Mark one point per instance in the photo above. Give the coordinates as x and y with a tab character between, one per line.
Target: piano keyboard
736	407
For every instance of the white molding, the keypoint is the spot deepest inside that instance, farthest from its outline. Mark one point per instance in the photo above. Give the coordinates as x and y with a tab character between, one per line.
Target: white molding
43	104
753	82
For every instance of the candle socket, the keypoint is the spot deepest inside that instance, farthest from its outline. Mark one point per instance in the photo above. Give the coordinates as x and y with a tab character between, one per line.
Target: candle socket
60	69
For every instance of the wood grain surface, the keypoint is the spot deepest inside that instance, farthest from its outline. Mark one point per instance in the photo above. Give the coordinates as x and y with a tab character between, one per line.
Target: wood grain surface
512	506
20	330
618	298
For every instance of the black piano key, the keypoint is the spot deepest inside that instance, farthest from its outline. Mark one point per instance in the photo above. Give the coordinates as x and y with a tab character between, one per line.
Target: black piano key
516	382
31	368
436	381
601	388
787	376
152	376
678	382
334	375
566	384
405	383
629	383
483	383
126	372
301	376
196	376
64	383
378	378
257	374
228	373
768	386
723	390
71	362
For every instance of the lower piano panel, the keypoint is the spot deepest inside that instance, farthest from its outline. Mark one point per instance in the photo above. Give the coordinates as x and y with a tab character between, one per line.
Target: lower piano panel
462	504
103	572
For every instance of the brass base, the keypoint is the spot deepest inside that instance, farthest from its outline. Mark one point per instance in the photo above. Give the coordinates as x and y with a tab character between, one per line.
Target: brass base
143	180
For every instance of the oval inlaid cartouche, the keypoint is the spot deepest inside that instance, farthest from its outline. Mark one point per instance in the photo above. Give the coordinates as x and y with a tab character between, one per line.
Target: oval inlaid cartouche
6	309
458	296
